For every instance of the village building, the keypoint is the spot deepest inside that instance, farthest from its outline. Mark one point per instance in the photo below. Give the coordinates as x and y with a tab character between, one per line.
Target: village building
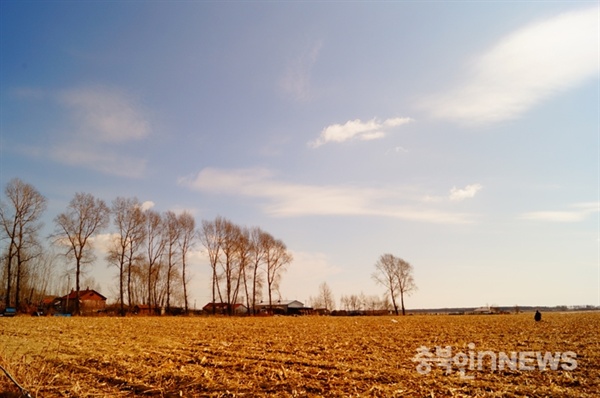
284	307
225	309
90	302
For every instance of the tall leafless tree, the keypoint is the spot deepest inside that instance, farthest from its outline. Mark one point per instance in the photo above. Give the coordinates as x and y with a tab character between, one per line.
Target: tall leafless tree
154	248
85	217
232	264
395	275
172	233
20	220
128	218
257	240
277	258
187	240
212	240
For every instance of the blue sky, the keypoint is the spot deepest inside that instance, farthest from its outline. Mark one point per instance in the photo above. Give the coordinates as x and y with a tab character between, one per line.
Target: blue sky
460	136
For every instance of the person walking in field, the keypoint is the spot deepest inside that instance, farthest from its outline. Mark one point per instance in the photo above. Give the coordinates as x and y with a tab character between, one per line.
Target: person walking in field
537	316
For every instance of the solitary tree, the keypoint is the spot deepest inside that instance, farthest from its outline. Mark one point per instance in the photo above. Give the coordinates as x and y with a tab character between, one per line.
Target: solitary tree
395	275
20	222
85	217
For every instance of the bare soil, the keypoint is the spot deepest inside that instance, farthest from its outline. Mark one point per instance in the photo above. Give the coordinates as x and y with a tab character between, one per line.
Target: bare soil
294	356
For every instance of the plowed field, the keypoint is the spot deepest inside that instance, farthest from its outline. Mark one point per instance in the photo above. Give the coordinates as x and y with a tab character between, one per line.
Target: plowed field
302	356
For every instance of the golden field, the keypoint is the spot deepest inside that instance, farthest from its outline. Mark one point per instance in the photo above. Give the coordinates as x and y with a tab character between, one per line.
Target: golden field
293	356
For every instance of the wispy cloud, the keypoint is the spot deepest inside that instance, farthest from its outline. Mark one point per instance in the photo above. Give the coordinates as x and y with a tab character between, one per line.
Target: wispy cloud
577	212
356	129
99	121
458	194
286	199
91	157
105	114
524	68
296	80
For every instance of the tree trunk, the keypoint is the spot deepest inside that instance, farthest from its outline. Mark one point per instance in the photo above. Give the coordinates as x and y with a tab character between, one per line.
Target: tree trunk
402	302
394	304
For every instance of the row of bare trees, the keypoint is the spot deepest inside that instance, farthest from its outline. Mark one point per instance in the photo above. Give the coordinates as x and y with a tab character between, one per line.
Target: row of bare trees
149	249
20	217
352	303
243	261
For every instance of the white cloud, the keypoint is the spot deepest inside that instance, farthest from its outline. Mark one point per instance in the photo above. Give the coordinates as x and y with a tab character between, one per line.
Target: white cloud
296	80
523	69
578	212
467	192
147	205
105	114
356	129
285	199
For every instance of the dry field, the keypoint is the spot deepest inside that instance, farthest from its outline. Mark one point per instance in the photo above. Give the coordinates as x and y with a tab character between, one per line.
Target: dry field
295	356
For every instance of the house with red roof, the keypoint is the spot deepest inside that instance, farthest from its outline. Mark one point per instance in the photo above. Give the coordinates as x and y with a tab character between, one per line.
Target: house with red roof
90	302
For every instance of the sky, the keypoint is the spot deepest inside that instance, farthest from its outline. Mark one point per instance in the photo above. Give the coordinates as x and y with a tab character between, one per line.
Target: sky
462	137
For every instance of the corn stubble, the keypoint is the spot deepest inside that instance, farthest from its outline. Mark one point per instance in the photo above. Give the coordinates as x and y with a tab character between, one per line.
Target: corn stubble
290	356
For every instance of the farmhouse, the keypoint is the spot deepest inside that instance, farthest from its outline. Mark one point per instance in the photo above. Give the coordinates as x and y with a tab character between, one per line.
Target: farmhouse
90	302
225	308
284	307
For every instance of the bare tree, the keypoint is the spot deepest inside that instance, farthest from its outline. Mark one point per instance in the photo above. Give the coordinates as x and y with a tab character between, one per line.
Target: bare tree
277	258
128	218
172	234
232	262
211	238
154	247
258	240
325	298
395	275
187	239
85	216
20	225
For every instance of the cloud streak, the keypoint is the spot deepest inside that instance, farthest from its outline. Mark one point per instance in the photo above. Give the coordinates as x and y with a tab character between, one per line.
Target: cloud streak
356	129
523	69
296	80
578	212
283	199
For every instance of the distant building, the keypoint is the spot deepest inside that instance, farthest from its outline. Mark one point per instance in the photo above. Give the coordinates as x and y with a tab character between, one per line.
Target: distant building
485	310
90	302
225	308
284	307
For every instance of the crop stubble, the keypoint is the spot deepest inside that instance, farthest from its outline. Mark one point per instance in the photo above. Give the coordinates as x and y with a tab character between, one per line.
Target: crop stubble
290	356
